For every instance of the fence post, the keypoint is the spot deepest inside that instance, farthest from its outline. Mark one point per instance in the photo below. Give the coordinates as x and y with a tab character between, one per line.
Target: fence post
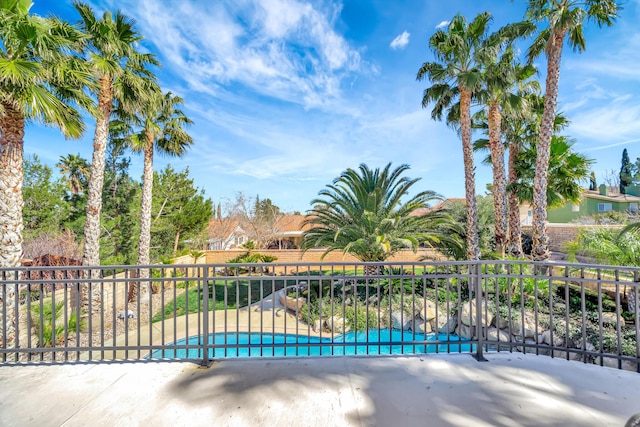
478	290
205	317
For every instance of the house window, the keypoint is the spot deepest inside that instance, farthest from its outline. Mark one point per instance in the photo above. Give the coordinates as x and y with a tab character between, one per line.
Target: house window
604	207
575	207
633	207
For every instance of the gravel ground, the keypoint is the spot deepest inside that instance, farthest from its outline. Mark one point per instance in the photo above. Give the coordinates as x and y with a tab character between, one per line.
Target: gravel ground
101	336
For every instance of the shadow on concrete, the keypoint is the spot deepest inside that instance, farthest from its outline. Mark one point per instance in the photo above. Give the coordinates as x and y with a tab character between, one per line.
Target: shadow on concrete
511	389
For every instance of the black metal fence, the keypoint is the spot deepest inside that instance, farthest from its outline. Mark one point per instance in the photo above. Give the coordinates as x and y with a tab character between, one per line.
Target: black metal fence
204	312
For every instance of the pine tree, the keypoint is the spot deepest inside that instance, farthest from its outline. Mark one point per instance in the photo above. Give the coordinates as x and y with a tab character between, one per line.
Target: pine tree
625	172
593	184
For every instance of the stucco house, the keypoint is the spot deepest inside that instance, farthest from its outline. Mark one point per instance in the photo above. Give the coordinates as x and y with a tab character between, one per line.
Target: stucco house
225	234
592	203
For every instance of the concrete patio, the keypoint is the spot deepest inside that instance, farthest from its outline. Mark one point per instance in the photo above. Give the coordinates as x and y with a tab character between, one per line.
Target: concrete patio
511	389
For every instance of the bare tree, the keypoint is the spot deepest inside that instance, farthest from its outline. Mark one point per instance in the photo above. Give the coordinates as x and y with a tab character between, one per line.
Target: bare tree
612	180
258	218
63	244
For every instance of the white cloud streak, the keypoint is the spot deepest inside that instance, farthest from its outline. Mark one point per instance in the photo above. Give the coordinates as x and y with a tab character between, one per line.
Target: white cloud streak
442	24
401	41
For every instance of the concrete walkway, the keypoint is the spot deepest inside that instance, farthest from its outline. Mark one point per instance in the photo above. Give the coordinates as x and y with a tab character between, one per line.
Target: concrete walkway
434	390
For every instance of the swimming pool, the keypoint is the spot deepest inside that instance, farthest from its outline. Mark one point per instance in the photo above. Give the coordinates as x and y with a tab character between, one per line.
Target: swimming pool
280	345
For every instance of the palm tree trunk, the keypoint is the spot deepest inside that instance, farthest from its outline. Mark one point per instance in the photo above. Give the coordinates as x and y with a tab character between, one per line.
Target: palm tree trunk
499	177
145	218
176	241
514	247
473	249
91	256
11	176
540	250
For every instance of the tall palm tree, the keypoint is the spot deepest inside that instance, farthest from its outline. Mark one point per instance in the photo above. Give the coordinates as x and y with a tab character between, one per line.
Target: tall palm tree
456	74
362	214
41	80
564	18
508	94
75	171
499	96
160	126
123	77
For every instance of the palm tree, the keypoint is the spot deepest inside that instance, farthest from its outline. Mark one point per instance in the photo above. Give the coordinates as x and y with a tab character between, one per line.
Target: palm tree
41	80
456	75
122	77
161	126
564	17
361	214
500	79
567	169
515	116
75	170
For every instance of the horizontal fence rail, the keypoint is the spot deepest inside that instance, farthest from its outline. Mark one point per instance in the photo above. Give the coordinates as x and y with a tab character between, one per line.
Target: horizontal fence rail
203	312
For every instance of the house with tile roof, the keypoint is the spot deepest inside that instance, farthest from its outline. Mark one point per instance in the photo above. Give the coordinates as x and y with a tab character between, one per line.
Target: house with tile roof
285	233
225	234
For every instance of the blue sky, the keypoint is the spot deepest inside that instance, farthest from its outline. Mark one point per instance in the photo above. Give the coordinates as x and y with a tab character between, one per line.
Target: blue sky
286	94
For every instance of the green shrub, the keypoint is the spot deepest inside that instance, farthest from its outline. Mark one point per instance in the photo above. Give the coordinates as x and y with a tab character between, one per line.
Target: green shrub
46	328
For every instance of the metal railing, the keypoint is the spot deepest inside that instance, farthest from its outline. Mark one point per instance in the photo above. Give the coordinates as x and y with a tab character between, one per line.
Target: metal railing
204	312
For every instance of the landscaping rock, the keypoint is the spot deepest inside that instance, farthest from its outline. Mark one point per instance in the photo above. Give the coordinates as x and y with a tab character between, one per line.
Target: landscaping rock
545	338
318	325
465	332
292	303
468	314
337	325
610	318
427	309
526	331
632	299
495	334
421	326
449	327
126	313
610	362
400	320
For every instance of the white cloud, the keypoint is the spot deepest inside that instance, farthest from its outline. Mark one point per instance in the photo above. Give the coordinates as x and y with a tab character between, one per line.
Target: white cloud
608	123
401	41
442	24
285	49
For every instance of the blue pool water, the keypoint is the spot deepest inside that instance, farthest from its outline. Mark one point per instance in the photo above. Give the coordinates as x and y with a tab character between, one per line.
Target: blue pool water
281	345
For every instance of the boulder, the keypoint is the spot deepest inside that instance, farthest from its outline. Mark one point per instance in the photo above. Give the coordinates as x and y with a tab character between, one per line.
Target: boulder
337	324
495	334
318	325
449	327
610	362
292	303
467	314
428	310
545	338
500	322
400	320
421	326
633	302
465	332
524	327
610	318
